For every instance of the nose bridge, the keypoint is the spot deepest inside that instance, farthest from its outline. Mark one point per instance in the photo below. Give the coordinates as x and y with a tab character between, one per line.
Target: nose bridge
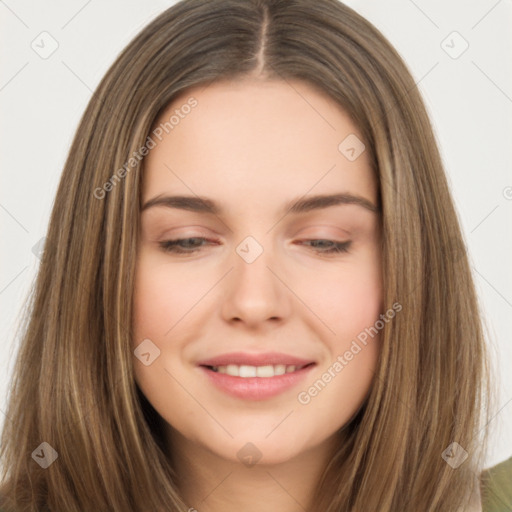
251	266
254	293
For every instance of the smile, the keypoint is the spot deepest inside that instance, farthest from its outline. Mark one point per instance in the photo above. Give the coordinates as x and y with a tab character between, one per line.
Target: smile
247	382
247	371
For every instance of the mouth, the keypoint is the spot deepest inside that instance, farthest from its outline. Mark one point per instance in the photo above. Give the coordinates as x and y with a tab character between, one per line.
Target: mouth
248	371
256	382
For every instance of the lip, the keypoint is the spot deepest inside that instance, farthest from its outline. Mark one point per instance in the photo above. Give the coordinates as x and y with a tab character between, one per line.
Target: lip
256	388
245	358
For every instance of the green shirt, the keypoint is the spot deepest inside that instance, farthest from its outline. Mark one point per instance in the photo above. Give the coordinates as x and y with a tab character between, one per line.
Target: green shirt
497	488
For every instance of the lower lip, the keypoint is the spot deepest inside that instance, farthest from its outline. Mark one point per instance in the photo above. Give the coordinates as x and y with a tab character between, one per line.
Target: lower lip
256	388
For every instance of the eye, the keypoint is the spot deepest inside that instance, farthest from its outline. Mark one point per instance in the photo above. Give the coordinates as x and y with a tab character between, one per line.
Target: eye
193	244
328	246
183	245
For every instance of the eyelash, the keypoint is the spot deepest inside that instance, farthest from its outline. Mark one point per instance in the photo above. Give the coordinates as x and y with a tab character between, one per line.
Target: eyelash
173	247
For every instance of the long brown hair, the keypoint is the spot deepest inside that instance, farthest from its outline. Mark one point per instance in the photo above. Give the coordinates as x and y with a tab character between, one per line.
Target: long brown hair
73	385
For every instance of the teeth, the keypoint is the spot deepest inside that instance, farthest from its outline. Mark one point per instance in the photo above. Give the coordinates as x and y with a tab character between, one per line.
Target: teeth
246	371
232	369
265	371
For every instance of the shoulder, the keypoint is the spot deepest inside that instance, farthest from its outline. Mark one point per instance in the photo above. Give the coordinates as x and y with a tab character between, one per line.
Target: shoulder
496	487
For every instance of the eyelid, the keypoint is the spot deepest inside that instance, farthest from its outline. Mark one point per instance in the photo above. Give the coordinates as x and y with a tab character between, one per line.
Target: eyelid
189	231
319	231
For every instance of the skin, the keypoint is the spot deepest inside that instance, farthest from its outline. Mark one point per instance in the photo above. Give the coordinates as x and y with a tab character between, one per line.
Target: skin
253	146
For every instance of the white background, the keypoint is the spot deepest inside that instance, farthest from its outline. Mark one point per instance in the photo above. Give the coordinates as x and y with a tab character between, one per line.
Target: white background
469	99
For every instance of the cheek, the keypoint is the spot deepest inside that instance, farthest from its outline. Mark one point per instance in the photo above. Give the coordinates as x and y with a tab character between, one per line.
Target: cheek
347	300
163	295
349	303
359	306
350	306
151	317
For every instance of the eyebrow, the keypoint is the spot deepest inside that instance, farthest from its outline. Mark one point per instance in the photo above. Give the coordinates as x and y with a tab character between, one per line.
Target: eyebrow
301	205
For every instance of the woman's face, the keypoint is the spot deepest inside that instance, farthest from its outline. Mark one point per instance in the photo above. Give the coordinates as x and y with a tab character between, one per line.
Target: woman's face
266	279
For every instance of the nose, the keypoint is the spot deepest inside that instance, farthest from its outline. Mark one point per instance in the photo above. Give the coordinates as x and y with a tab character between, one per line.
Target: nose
254	292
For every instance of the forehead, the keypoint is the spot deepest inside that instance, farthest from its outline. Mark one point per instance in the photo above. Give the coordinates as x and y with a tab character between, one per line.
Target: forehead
251	140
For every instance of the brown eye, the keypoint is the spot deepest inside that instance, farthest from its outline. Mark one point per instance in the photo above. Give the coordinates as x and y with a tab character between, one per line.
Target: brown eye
183	245
328	246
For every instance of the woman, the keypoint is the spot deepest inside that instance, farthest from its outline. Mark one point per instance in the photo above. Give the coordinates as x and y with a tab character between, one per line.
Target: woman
254	291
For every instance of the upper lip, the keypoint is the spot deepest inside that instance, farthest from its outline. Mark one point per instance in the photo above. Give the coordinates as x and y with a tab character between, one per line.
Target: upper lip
263	359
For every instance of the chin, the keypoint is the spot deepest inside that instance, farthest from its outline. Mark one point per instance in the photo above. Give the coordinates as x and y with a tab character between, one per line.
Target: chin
255	447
